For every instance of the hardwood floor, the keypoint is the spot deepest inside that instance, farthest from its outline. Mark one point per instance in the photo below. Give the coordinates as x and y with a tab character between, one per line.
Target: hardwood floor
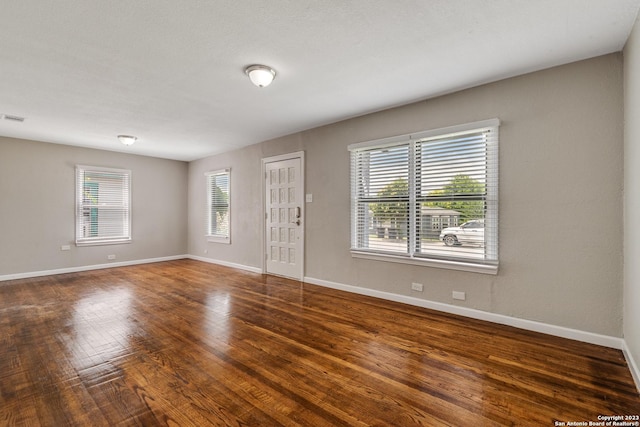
184	343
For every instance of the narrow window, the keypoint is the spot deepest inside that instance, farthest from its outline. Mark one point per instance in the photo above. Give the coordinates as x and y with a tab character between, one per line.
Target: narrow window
218	206
103	205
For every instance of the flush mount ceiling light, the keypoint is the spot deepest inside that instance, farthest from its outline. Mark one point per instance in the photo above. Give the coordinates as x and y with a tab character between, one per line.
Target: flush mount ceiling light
260	75
127	139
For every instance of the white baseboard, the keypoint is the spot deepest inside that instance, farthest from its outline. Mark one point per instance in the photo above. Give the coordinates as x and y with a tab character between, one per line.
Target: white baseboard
633	366
530	325
226	264
88	267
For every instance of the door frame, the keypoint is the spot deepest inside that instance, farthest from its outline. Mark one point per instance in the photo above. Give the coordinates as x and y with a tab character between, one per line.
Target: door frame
263	177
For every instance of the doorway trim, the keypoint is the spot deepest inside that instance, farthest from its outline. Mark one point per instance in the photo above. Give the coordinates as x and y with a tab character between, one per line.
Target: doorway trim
263	176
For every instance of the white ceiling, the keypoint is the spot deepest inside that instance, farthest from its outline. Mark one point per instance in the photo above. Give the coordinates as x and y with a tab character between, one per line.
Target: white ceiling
171	72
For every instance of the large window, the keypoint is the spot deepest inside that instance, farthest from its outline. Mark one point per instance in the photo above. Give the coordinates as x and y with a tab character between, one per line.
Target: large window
218	206
103	205
428	198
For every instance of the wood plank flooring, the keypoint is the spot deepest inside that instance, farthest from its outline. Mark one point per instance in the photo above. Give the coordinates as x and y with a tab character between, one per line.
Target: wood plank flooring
185	343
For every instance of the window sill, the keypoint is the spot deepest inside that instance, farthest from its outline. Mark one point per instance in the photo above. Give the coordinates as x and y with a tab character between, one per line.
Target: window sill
436	263
102	242
219	239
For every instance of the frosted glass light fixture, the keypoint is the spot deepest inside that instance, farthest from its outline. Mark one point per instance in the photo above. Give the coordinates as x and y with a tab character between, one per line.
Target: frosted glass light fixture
260	75
127	139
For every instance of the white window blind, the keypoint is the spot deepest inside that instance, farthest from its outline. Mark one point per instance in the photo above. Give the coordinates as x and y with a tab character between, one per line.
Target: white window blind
428	196
381	187
218	205
103	205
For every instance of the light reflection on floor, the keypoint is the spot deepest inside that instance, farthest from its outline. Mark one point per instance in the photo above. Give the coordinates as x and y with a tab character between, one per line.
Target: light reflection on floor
99	333
216	319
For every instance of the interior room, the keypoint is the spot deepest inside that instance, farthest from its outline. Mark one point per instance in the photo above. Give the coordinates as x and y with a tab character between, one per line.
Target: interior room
293	213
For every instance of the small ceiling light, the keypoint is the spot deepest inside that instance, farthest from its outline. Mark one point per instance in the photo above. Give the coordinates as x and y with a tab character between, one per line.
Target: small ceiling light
127	139
260	75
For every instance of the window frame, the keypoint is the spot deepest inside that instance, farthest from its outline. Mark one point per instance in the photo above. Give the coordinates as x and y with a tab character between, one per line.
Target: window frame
217	237
81	171
489	263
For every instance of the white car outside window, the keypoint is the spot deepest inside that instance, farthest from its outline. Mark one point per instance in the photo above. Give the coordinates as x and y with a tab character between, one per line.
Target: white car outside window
471	232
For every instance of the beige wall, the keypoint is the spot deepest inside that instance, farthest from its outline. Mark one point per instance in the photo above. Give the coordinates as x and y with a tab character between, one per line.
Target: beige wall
632	195
37	182
561	161
245	207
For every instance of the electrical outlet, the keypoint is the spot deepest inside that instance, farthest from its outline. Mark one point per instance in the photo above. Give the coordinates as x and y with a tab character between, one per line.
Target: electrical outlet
65	247
459	295
417	287
111	257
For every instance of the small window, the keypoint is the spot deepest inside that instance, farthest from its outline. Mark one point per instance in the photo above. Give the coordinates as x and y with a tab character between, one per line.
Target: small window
408	193
218	206
103	206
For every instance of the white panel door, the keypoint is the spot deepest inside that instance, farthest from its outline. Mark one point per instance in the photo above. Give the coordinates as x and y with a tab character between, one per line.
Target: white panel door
284	218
